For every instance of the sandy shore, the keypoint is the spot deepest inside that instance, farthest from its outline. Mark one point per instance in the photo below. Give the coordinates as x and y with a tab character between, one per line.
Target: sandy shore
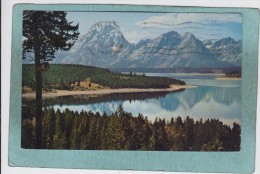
228	78
60	93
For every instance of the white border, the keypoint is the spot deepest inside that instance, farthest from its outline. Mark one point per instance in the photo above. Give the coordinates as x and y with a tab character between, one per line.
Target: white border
6	29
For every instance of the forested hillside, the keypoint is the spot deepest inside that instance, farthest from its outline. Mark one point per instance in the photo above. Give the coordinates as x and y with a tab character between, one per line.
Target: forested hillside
63	76
122	131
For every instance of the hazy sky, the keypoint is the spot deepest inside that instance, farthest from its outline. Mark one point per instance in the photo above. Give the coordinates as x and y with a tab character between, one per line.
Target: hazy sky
136	26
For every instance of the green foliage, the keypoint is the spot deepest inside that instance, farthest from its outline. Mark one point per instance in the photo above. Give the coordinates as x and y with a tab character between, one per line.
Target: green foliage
61	76
45	32
122	131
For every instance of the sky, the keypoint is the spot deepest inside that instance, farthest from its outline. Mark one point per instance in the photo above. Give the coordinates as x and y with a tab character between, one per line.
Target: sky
139	25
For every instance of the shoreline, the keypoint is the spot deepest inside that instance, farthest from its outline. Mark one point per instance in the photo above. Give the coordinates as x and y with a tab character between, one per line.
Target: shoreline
228	78
61	93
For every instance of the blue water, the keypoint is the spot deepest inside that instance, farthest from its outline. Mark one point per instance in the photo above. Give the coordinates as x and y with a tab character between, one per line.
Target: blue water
211	98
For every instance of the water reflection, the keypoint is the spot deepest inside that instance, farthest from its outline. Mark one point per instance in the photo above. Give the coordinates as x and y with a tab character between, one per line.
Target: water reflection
210	99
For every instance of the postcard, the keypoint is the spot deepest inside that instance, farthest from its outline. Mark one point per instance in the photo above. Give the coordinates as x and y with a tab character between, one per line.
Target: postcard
124	86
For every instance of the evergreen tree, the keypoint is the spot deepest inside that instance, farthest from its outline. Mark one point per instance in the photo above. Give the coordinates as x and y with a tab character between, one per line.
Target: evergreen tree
27	134
45	32
236	138
75	139
189	134
198	135
162	137
59	129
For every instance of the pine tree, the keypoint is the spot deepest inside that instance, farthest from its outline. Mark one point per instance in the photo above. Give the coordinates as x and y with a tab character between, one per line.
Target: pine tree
189	134
236	137
59	129
45	32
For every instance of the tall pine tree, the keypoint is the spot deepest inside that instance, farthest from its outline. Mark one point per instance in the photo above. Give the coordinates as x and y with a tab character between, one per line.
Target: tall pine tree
45	32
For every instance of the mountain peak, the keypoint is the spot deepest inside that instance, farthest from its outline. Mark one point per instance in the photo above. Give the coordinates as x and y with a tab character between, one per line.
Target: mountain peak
228	40
107	32
224	41
170	38
188	35
171	33
104	24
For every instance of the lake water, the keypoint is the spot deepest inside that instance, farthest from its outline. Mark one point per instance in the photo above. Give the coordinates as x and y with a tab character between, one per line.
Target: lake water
220	99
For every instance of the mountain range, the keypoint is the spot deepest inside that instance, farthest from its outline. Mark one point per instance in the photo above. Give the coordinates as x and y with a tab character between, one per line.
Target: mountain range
104	45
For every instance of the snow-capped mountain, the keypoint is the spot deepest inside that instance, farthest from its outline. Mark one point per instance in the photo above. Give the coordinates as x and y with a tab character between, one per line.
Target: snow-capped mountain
228	50
104	45
173	50
101	46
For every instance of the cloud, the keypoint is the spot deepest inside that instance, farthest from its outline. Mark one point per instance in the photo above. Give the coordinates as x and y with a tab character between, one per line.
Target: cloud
191	19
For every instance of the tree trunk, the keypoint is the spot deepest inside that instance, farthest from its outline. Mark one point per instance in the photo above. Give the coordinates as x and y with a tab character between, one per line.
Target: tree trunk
38	78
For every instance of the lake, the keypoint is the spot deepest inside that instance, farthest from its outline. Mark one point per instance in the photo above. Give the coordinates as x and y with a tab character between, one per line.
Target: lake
211	98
